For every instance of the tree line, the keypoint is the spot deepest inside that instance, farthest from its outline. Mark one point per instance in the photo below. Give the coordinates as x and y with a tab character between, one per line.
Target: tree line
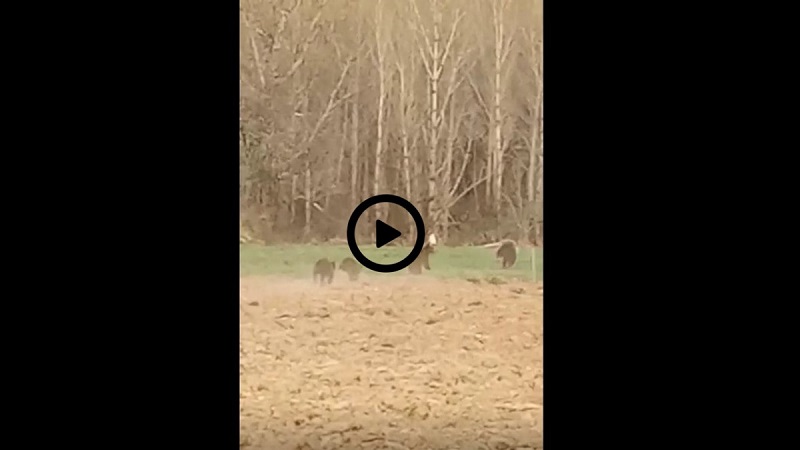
438	101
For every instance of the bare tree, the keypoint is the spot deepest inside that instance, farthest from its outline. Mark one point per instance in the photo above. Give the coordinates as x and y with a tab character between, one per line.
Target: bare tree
379	60
434	55
453	167
536	138
502	44
334	101
404	61
355	111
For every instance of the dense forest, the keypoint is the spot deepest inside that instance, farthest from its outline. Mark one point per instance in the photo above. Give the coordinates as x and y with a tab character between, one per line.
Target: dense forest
437	101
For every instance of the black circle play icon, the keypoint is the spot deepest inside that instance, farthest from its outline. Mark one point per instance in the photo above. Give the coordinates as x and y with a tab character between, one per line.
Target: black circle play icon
385	233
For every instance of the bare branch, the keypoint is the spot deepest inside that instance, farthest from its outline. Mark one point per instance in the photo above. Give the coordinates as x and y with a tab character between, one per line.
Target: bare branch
464	164
508	45
467	190
457	77
479	97
297	63
459	16
302	49
423	32
519	217
424	56
336	47
256	56
332	104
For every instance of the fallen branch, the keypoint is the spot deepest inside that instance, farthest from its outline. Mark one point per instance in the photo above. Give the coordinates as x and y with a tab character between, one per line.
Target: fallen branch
498	243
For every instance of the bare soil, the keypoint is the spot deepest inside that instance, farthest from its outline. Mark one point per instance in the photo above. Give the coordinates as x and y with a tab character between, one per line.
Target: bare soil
401	363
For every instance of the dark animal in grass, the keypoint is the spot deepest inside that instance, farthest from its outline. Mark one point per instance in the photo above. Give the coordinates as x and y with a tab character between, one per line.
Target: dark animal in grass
351	268
323	271
422	260
507	253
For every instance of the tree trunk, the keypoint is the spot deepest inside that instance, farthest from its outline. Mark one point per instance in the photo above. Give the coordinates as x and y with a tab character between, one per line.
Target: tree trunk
435	116
307	193
476	174
354	162
377	173
340	161
404	113
292	211
497	119
446	191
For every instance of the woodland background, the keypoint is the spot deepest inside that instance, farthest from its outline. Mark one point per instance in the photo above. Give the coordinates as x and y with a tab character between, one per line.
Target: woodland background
438	101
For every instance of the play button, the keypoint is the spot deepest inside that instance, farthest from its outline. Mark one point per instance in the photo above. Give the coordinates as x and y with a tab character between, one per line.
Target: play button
384	234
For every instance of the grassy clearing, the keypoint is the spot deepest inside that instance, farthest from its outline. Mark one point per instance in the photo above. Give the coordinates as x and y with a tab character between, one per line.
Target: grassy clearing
447	262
